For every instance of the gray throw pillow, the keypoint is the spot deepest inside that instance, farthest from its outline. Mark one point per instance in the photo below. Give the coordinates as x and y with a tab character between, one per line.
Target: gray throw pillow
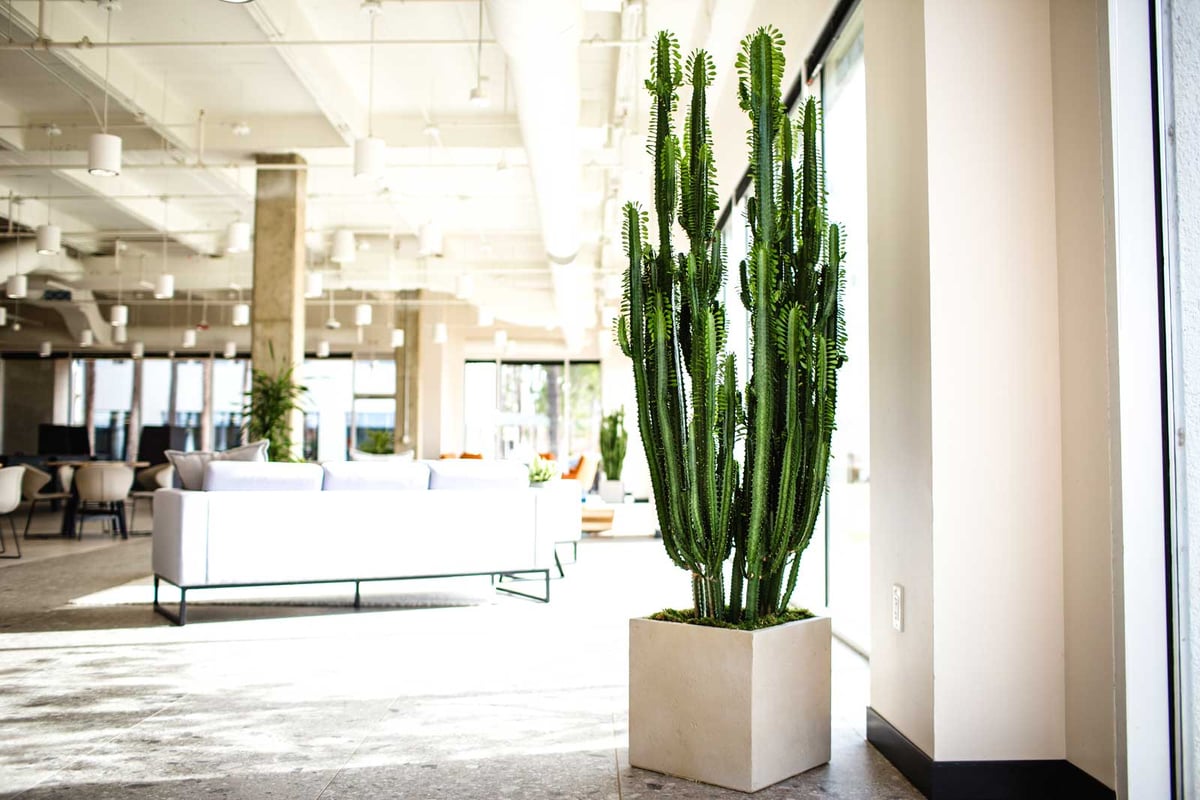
190	466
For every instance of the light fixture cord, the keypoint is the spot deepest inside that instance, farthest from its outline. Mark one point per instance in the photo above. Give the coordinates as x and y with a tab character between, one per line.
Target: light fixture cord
371	82
166	209
479	49
107	59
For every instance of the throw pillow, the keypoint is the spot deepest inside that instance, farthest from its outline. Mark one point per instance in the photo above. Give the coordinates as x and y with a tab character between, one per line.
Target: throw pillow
190	466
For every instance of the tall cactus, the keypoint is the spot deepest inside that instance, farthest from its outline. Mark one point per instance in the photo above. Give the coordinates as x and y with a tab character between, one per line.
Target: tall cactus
690	411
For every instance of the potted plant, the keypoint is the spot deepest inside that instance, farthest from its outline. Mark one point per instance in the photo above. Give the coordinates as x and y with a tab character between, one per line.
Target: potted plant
613	441
541	471
734	691
268	408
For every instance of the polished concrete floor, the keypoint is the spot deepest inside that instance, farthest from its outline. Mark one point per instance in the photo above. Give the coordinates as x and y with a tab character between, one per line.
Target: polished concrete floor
500	697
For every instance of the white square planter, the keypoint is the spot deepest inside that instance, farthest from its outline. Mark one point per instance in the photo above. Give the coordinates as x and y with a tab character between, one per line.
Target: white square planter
612	491
739	709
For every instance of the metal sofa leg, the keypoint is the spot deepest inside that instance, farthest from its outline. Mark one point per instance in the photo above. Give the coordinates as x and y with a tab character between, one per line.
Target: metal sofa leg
180	618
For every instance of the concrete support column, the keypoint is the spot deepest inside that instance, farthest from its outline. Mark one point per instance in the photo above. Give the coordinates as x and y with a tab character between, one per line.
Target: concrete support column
277	330
408	373
206	414
135	413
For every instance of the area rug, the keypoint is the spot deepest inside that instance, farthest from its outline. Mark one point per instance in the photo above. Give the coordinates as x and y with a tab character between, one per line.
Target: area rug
442	593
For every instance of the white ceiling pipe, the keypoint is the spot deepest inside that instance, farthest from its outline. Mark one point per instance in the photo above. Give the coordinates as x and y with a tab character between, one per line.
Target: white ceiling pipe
541	39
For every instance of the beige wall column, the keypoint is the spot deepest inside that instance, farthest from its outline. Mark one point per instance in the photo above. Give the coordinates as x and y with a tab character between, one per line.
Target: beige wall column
277	328
408	373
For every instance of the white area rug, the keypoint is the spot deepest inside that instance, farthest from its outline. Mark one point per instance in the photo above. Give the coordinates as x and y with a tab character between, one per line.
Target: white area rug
440	593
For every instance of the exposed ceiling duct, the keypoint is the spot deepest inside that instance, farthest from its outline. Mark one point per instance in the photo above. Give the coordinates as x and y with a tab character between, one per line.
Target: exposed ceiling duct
541	40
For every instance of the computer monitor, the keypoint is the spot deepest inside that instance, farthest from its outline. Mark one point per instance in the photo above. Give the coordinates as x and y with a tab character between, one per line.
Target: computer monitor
63	440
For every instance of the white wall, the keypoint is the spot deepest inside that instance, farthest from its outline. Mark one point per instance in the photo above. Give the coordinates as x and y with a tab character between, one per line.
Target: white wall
1082	338
997	523
902	677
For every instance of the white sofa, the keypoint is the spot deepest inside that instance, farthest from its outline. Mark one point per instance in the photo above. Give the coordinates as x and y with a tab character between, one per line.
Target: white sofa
259	524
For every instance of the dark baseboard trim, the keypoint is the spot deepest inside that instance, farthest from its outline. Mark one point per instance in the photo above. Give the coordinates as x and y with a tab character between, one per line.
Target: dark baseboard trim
982	780
905	756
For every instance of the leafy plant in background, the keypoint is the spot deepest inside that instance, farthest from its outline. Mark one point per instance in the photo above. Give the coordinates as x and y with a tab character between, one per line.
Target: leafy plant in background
691	412
541	470
614	440
268	408
379	443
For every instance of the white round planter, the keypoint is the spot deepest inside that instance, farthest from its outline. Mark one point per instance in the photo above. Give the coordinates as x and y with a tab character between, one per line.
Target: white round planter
739	709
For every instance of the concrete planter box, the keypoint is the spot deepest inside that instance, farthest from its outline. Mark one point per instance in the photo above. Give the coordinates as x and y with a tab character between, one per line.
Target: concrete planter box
612	491
739	709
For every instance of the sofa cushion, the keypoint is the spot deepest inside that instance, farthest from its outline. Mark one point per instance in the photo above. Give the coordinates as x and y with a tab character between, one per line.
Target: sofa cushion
234	476
189	467
470	474
365	476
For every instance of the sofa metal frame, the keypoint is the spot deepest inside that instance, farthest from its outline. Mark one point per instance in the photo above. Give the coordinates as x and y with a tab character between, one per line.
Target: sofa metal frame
180	618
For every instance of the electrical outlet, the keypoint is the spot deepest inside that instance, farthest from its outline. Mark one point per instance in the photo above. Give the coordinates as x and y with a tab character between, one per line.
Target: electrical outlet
898	607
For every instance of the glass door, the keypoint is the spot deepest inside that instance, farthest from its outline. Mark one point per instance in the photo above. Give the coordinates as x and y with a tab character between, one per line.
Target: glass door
848	503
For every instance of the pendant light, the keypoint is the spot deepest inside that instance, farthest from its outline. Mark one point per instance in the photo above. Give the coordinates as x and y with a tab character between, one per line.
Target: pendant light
137	349
344	247
45	349
397	337
500	341
237	237
3	316
230	349
118	315
429	240
362	315
17	286
370	152
164	286
240	317
486	318
323	349
49	236
331	322
313	285
104	149
49	239
479	95
440	333
189	338
121	334
464	287
87	338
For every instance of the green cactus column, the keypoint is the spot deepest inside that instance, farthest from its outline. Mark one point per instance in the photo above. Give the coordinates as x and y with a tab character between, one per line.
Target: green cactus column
673	327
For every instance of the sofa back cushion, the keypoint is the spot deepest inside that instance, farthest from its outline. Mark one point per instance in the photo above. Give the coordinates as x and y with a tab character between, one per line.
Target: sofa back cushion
189	467
240	476
471	474
367	476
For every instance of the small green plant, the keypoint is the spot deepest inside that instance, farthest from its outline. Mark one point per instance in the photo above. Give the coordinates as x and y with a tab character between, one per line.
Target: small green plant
268	408
379	443
613	441
542	470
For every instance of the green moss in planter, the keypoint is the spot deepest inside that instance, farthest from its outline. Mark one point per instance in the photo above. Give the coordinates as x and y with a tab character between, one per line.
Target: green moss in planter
687	616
